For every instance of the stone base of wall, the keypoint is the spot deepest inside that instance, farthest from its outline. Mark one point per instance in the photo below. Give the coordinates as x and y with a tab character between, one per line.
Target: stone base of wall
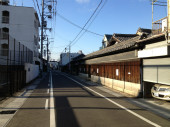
84	76
126	87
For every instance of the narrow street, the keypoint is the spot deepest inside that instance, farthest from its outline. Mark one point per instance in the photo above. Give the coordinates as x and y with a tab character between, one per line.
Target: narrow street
62	101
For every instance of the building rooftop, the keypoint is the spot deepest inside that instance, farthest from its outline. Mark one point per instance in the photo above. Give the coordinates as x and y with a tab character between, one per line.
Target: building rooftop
116	47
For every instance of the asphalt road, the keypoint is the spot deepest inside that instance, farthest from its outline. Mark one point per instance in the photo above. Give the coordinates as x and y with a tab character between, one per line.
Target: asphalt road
62	101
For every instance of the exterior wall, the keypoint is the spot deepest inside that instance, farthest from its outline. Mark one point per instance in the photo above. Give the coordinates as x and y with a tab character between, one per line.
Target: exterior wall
64	58
32	71
156	49
157	70
122	76
156	65
84	76
23	26
126	87
95	78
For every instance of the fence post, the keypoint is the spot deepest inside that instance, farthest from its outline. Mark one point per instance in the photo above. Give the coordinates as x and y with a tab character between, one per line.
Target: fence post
23	54
8	80
26	54
19	53
14	52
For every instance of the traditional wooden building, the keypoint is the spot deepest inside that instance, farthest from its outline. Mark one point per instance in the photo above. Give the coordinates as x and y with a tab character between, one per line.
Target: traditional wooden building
116	66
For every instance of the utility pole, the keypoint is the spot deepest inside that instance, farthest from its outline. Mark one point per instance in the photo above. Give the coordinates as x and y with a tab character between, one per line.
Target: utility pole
69	56
47	54
153	1
42	36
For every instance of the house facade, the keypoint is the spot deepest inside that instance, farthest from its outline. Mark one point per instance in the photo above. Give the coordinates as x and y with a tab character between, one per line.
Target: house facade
118	65
105	41
155	56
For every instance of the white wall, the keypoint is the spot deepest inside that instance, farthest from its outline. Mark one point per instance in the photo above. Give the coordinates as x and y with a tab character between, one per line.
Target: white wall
65	57
32	71
126	87
21	25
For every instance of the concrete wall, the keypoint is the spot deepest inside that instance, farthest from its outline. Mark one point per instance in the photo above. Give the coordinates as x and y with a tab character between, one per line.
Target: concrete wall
32	71
84	76
64	57
126	87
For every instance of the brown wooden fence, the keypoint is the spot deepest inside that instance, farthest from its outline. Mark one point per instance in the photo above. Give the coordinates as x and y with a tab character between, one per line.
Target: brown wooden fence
124	71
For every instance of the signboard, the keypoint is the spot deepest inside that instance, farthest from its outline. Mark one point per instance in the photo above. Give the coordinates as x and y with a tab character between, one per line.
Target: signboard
117	72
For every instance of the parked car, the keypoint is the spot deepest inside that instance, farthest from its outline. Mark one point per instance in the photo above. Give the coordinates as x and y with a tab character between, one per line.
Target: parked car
161	92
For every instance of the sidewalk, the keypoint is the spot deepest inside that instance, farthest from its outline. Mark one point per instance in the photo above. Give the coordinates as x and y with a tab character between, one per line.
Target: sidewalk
159	107
10	105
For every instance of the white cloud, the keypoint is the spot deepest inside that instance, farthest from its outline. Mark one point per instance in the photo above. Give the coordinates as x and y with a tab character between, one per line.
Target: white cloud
82	1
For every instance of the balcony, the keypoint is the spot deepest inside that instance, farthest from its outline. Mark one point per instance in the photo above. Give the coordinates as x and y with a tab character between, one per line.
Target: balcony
5	19
159	26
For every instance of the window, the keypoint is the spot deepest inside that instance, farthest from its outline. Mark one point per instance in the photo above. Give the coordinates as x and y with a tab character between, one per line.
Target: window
5	17
5	33
4	51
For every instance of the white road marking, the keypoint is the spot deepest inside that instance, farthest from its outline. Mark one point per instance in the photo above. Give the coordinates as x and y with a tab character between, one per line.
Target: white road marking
48	90
46	104
128	110
52	108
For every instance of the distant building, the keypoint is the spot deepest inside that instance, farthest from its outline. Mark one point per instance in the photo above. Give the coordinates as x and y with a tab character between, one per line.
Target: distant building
20	23
105	41
65	58
53	64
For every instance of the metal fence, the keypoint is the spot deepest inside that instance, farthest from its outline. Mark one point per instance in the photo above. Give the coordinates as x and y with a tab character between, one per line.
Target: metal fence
13	56
159	26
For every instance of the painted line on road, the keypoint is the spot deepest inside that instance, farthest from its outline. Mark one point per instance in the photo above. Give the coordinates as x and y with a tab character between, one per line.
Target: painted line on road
48	91
128	110
52	108
46	104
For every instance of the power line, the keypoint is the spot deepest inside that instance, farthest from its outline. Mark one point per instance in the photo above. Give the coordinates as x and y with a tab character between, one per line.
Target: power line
91	22
34	4
87	21
38	7
85	24
77	25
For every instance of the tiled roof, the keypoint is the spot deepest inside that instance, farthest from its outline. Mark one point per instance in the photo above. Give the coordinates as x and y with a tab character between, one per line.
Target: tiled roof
143	30
124	37
120	37
119	46
78	57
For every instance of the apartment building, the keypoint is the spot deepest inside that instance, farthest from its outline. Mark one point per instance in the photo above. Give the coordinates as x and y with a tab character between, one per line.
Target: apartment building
21	23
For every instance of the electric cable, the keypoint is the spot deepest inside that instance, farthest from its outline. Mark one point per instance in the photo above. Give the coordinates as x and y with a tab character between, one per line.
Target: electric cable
62	17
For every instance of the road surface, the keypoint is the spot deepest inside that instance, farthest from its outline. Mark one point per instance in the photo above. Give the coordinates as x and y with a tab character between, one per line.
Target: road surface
61	100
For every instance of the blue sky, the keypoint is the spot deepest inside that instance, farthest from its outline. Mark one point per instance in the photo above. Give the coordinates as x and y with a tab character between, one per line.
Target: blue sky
116	16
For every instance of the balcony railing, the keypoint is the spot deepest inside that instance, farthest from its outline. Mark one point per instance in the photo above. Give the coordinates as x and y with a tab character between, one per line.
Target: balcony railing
159	26
5	19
